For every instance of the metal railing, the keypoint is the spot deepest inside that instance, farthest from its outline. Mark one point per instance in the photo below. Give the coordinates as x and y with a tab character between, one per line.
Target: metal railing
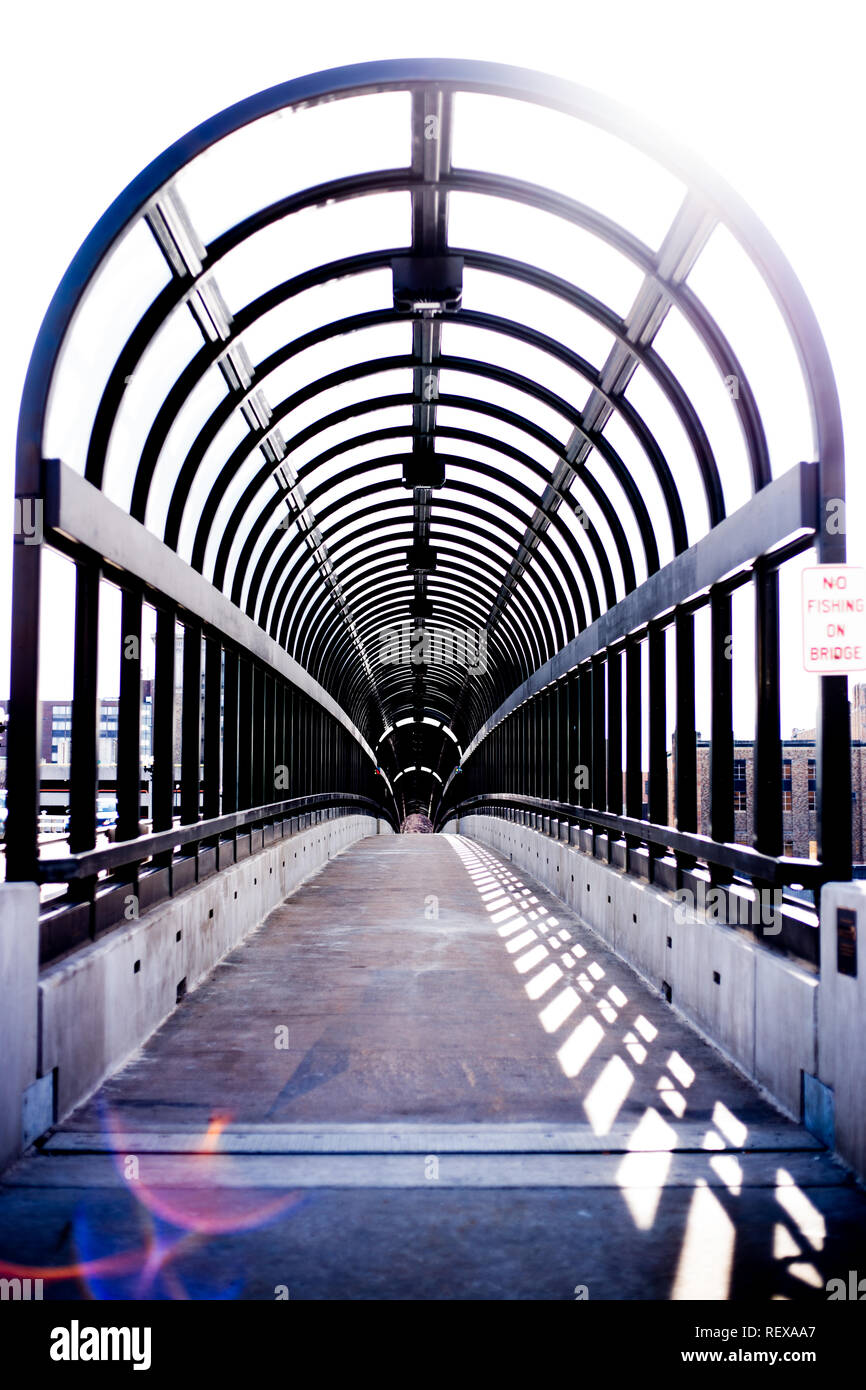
674	860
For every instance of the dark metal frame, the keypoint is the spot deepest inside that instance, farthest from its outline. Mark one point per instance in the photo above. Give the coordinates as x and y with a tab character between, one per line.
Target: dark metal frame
531	588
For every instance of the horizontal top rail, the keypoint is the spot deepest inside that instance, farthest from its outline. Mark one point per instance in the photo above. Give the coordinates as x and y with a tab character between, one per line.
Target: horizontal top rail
117	856
77	510
741	859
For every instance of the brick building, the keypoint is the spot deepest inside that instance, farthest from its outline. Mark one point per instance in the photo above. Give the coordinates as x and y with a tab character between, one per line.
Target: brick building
799	773
799	819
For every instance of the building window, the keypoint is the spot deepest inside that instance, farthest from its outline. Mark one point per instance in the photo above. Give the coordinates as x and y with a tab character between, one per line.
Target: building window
812	772
787	794
740	801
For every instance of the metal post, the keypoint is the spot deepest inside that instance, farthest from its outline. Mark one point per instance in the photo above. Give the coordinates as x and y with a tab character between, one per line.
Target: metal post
24	735
658	755
190	746
585	732
258	789
614	732
768	737
269	736
245	734
230	731
722	729
634	770
563	781
162	795
685	785
212	701
598	737
129	718
83	770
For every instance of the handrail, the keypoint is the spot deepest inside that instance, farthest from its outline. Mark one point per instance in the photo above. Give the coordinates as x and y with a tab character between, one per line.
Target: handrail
741	859
88	863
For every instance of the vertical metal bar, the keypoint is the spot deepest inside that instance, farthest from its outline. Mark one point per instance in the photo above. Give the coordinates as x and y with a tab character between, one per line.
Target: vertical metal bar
289	745
686	783
269	737
212	702
552	768
833	733
768	732
658	757
280	791
563	792
598	769
24	735
258	787
300	743
633	768
531	748
585	733
245	734
722	717
614	733
129	718
573	760
315	747
83	770
190	745
163	722
230	731
833	800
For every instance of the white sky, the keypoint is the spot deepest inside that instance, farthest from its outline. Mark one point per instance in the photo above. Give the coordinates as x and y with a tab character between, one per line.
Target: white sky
763	91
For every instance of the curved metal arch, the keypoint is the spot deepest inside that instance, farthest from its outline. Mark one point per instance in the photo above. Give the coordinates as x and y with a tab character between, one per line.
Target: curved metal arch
260	613
211	353
248	444
338	637
665	378
485	565
469	366
678	398
725	360
333	191
514	83
516	487
525	625
315	495
451	75
280	605
369	605
313	620
403	699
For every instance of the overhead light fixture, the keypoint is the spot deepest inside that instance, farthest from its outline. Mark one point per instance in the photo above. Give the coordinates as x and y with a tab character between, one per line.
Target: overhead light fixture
423	467
427	284
421	558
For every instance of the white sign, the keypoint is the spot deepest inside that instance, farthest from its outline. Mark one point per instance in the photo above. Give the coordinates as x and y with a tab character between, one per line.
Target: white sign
834	619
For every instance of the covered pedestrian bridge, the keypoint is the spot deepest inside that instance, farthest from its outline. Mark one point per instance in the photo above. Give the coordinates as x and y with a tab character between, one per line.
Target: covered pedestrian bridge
431	439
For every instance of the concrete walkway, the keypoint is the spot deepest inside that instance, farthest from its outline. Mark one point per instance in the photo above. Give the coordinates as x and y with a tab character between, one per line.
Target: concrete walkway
424	1078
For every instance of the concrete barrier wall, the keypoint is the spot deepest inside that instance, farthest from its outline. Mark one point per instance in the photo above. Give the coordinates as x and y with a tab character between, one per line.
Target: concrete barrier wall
842	1019
19	973
771	1016
99	1005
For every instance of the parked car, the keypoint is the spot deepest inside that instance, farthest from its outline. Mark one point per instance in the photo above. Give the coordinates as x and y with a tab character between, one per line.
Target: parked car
106	811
